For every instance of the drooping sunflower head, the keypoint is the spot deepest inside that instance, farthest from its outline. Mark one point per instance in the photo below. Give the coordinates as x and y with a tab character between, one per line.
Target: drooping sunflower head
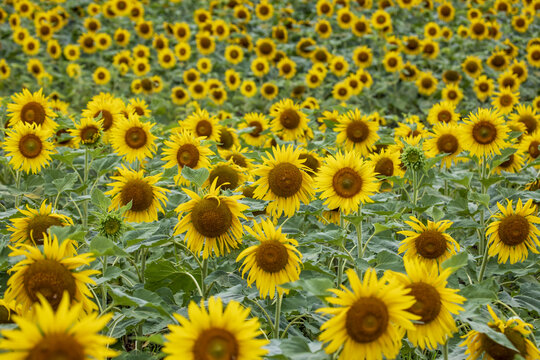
31	108
132	139
49	273
145	197
273	262
429	244
289	120
484	132
32	228
356	131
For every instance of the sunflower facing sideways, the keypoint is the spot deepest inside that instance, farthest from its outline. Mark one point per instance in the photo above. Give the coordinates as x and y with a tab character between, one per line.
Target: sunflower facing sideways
146	198
32	228
369	320
356	132
283	181
514	329
50	272
64	333
289	120
514	232
346	181
211	222
31	108
28	147
273	262
428	244
215	333
484	133
434	303
132	139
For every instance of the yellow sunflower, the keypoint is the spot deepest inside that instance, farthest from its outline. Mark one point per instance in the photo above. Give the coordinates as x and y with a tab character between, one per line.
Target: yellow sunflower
64	333
429	244
483	87
87	132
259	123
514	329
31	108
215	333
106	106
387	163
271	263
28	147
228	175
443	112
514	232
146	198
426	83
345	181
484	133
528	116
505	100
530	145
283	181
356	132
132	139
237	155
201	124
32	228
182	149
369	320
211	222
289	120
513	164
444	140
49	273
434	303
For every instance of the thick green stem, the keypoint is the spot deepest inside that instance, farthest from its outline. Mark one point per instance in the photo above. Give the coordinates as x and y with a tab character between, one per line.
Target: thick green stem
18	185
445	350
483	265
278	315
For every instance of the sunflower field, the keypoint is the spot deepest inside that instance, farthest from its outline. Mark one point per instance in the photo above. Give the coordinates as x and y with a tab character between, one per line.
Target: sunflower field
269	179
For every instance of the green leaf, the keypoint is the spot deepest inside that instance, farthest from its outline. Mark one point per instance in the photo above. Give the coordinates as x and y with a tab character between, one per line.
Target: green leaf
435	213
318	287
196	176
65	183
380	228
100	200
456	262
480	198
100	246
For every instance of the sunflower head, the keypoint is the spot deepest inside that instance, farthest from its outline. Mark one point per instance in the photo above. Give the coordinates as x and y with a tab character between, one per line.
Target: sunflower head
31	108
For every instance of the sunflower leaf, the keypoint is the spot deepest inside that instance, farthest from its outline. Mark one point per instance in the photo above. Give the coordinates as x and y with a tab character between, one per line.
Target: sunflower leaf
196	176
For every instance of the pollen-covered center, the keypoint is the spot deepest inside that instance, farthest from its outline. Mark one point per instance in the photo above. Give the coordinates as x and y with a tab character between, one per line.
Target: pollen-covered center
30	146
38	226
427	301
289	118
513	230
187	155
347	182
89	134
216	344
139	193
107	118
50	279
203	128
135	137
33	113
357	131
272	256
366	320
506	100
385	167
57	346
430	244
211	218
447	143
484	132
285	179
444	116
226	176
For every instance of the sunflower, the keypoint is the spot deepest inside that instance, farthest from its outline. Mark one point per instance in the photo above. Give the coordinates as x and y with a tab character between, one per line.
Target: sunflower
146	198
346	181
513	164
248	88
28	147
434	303
179	95
238	156
508	80
426	83
472	66
31	108
392	61
58	332
356	132
498	60
514	329
530	145
370	320
443	112
211	222
132	138
259	123
182	149
533	56
283	181
201	124
271	263
49	273
505	100
232	79
32	228
429	244
215	333
484	133
227	175
452	94
106	106
312	161
88	132
387	163
483	87
288	120
528	116
444	140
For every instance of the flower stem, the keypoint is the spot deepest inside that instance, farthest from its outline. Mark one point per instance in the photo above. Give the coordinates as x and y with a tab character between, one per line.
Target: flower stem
18	185
359	235
278	315
445	350
204	273
85	178
104	285
484	263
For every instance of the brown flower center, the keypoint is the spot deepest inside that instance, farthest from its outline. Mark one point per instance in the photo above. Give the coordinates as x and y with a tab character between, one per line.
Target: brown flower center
57	346
187	155
447	143
226	176
366	320
139	192
444	116
226	139
290	119
30	146
428	301
211	218
530	123
385	167
272	256
498	61
506	100
484	132
357	131
107	118
500	352
311	162
135	137
534	152
484	87
258	128
38	226
426	83
471	67
204	128
347	182
238	159
513	230
216	344
430	244
285	180
50	279
33	113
